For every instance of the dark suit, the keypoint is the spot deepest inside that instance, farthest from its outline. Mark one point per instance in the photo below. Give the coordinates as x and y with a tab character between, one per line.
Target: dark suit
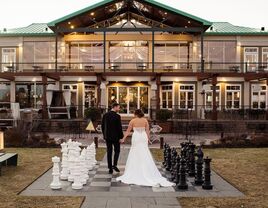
112	133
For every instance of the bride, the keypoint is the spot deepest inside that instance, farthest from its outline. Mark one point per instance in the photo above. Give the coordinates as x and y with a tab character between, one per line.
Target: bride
140	167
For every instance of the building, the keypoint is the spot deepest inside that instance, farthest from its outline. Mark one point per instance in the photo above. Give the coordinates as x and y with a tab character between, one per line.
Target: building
142	54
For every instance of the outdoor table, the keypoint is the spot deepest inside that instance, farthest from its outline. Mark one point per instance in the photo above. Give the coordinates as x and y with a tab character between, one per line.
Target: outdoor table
155	130
11	68
89	68
9	159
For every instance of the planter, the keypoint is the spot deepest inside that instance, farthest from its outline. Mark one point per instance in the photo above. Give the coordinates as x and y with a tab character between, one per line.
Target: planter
166	126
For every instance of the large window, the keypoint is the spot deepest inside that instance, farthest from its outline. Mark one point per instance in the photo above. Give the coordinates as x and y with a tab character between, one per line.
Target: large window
39	53
187	96
173	54
259	96
251	58
128	54
167	96
233	96
265	57
218	54
29	95
4	92
90	95
8	58
84	54
209	96
130	98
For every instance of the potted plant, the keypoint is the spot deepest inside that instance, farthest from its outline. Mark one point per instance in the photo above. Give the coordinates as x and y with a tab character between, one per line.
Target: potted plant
94	114
162	117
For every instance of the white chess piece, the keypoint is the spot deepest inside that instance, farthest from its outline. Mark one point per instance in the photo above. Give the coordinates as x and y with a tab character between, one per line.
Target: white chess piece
56	174
77	174
84	172
71	161
64	162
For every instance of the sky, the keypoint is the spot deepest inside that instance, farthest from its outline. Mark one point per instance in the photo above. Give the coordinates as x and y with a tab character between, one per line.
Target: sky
250	13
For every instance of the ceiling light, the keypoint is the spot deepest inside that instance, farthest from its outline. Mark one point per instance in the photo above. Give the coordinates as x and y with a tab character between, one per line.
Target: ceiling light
189	22
165	13
69	23
92	13
72	27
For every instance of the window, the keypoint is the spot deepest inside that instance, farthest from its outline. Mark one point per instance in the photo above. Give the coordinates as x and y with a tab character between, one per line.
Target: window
174	54
251	58
259	96
90	95
130	98
8	58
4	92
187	96
265	57
29	95
209	96
167	96
74	92
233	96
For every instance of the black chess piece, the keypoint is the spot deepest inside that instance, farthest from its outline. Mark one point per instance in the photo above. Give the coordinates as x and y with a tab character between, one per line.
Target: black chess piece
192	160
168	162
207	173
177	170
173	164
182	185
199	167
164	154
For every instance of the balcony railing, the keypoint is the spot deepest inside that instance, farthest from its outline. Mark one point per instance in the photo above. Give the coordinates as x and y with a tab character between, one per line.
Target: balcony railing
233	67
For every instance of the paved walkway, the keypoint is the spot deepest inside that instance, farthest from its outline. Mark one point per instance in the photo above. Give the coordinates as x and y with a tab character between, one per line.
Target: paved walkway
102	190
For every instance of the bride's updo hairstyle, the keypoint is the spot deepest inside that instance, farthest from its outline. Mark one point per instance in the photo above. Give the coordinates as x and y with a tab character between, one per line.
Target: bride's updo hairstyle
139	113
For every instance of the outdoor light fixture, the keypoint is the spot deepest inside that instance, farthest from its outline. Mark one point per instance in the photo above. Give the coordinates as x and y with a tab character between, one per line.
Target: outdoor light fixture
1	140
69	23
92	13
72	27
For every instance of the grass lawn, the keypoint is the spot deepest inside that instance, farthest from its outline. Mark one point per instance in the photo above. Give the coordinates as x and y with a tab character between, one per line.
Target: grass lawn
246	169
32	163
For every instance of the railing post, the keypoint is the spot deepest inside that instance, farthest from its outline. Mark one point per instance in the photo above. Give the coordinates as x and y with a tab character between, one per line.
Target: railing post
202	52
214	104
153	40
56	52
104	51
44	98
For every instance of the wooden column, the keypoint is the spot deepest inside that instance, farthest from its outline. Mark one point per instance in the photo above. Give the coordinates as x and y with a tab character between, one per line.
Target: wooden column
99	79
202	53
214	103
158	84
44	97
266	103
56	52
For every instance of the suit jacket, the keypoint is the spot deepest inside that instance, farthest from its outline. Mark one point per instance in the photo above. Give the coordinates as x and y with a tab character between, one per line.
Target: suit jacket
111	127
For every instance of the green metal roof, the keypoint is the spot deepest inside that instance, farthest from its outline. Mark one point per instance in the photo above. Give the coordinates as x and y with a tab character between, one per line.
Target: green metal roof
226	28
35	29
99	4
151	2
177	11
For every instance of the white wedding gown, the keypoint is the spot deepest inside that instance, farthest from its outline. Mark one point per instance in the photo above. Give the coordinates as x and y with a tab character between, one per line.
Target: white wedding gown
140	167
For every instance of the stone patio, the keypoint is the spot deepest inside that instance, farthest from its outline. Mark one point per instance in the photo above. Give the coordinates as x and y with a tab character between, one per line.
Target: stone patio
102	190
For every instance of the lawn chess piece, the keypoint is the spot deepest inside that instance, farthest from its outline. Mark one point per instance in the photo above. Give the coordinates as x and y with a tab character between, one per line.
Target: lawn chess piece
77	184
83	170
71	161
199	167
89	160
55	185
168	166
182	185
207	173
173	164
64	162
164	154
177	170
192	160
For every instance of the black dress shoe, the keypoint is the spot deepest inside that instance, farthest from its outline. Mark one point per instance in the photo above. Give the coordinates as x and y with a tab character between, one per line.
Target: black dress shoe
111	171
116	169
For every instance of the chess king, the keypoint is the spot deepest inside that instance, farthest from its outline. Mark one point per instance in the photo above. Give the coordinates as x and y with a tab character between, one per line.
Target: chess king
112	133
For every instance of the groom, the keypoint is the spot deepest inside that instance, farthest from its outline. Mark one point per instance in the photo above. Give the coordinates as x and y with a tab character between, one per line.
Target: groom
112	133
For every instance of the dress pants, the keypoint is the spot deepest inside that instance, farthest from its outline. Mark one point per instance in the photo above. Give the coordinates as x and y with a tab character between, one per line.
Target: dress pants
112	145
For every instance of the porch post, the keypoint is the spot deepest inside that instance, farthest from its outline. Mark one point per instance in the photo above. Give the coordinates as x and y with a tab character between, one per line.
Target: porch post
202	52
214	103
153	40
56	51
266	103
98	101
158	84
44	97
104	51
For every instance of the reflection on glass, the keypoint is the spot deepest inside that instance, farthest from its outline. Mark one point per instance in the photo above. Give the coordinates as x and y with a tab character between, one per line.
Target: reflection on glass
144	99
112	95
123	99
133	99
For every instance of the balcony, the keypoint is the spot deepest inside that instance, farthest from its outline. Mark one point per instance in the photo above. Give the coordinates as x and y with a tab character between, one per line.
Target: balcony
138	67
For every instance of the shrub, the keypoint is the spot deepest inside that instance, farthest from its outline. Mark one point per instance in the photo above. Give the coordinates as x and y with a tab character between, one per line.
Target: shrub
163	115
93	113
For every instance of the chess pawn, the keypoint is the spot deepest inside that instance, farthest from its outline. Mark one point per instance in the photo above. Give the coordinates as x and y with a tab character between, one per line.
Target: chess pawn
173	164
168	166
199	167
182	182
177	170
164	154
192	160
64	162
207	173
77	184
56	174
